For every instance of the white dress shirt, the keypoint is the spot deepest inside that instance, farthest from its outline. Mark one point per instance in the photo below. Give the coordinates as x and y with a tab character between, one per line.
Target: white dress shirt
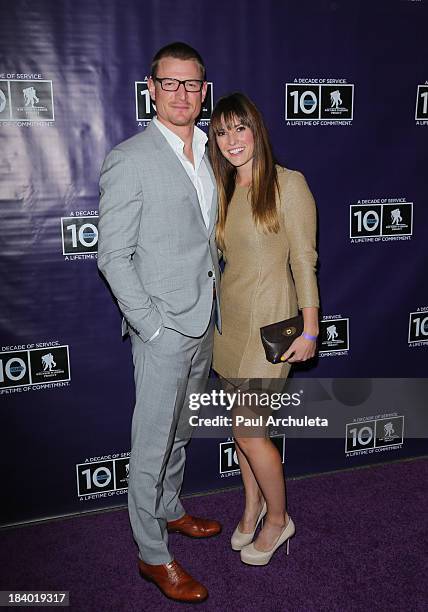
197	173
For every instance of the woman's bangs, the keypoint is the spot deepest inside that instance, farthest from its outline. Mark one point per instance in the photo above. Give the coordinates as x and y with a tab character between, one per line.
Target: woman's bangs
229	111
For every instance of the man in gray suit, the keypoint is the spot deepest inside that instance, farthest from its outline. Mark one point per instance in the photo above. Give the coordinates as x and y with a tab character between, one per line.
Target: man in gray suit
156	249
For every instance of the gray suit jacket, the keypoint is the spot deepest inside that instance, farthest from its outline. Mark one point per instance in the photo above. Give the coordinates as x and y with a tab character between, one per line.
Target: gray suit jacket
154	248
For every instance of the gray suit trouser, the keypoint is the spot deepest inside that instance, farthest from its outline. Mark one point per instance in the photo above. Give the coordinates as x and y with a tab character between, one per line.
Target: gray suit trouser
166	370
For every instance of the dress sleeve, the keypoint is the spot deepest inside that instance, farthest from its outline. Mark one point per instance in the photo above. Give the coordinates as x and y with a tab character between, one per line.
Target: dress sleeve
301	225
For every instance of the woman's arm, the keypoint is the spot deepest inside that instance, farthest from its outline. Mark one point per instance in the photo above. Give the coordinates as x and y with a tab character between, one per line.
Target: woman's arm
304	348
300	223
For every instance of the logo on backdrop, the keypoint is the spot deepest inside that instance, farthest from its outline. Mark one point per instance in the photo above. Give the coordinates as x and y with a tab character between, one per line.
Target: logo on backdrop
14	369
228	459
51	365
319	102
80	236
30	96
26	101
103	476
145	109
48	362
418	327
334	336
374	434
421	113
380	220
3	101
30	367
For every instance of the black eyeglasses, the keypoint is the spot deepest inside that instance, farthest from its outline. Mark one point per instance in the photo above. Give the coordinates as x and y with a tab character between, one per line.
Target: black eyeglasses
190	85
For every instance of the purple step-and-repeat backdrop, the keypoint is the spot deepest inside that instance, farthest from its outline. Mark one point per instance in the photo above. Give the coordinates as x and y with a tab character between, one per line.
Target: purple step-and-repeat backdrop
343	87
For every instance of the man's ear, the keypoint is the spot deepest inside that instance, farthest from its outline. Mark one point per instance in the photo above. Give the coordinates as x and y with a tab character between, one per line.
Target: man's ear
204	90
151	88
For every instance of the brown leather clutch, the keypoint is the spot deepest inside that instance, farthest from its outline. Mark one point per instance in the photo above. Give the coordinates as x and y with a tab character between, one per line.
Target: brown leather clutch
278	337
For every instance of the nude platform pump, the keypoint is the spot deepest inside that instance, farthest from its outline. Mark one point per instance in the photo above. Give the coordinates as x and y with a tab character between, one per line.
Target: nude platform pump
252	556
239	539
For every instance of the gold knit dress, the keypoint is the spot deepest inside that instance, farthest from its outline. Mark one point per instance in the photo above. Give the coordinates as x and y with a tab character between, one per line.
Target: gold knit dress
267	277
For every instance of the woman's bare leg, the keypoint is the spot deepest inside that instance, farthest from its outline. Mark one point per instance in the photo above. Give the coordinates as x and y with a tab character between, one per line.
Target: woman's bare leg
253	495
264	463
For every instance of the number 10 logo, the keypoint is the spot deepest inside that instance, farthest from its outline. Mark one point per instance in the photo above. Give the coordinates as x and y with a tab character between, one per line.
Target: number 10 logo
366	220
418	327
79	235
229	459
145	109
303	102
422	103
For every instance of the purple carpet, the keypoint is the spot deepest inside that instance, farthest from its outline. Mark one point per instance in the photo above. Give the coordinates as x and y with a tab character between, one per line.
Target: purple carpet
361	544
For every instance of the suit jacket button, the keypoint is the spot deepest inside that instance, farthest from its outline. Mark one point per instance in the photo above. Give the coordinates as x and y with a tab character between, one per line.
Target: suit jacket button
210	273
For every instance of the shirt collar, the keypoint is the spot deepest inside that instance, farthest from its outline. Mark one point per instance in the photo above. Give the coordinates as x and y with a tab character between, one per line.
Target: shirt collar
198	144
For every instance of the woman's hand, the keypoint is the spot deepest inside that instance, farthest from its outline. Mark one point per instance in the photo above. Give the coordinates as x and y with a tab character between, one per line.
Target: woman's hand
302	348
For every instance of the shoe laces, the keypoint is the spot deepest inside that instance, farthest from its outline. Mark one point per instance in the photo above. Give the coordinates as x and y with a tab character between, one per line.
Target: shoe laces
175	571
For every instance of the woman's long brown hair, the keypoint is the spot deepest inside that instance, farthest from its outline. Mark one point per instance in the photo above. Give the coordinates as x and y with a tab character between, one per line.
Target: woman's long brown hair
264	185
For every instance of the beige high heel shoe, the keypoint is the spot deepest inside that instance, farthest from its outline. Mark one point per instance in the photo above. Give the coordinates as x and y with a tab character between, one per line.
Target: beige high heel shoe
239	539
252	556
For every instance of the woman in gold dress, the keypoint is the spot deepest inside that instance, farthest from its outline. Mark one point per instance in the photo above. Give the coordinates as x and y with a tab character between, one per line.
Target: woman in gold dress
267	233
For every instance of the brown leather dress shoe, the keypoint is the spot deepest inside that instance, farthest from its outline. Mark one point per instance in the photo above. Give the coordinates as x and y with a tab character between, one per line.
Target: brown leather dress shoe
194	527
174	581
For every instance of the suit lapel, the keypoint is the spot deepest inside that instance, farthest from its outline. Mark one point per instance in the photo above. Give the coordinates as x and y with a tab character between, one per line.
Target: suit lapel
213	209
170	158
